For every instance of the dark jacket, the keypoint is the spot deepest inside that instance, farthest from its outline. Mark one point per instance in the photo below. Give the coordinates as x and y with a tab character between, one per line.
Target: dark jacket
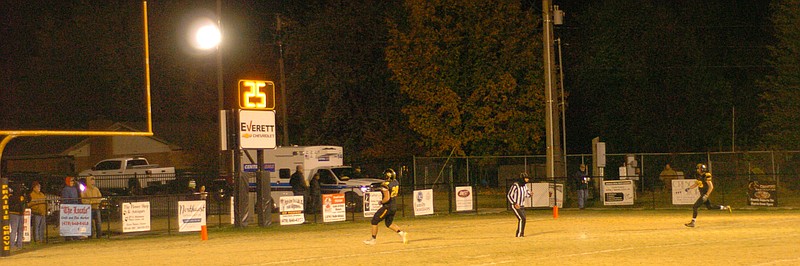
580	178
17	202
298	184
314	186
69	195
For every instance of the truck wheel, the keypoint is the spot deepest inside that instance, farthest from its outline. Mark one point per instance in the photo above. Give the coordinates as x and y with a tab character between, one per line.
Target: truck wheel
353	202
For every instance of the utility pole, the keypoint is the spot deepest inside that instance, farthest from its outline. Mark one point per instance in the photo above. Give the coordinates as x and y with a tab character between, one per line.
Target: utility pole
283	85
554	152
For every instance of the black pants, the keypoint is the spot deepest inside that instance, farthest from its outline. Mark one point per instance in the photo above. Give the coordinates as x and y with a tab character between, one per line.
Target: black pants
521	219
386	214
701	202
313	203
305	198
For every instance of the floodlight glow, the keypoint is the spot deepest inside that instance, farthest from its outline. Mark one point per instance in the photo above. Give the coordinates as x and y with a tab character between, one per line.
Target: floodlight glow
207	37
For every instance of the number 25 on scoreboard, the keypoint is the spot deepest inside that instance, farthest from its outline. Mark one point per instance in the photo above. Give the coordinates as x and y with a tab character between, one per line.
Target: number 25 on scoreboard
256	94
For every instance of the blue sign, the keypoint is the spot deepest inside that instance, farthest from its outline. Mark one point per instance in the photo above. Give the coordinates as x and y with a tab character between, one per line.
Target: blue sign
252	168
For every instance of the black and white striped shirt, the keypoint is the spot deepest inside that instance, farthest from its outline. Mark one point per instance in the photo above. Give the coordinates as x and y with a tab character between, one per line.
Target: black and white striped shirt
517	194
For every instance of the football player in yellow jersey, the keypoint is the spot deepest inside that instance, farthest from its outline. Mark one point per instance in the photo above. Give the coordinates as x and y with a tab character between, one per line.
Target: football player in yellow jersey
390	188
705	185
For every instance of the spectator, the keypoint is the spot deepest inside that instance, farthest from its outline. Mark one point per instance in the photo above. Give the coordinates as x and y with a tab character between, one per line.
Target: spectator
38	205
357	172
69	195
202	193
299	184
581	181
92	196
667	175
314	194
194	194
16	210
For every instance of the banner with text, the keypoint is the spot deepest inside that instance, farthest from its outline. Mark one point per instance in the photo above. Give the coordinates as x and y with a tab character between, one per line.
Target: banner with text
423	202
26	223
763	193
191	215
291	208
135	216
75	220
679	194
542	195
372	202
464	199
618	192
333	208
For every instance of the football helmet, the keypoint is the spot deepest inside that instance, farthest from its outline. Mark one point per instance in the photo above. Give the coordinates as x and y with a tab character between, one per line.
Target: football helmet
702	167
389	174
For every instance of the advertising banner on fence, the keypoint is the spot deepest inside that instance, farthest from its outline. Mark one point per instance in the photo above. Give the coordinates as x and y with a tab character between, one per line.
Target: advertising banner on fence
423	202
762	193
618	192
191	215
291	210
75	220
679	194
372	202
333	209
464	199
26	224
542	195
135	216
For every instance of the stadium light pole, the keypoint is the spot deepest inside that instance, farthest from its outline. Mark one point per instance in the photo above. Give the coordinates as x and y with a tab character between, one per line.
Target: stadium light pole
206	34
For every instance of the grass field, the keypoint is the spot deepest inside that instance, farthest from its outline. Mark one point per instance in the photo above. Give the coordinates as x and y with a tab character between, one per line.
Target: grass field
588	237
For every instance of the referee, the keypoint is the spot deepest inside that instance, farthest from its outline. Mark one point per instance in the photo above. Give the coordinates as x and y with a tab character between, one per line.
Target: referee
516	197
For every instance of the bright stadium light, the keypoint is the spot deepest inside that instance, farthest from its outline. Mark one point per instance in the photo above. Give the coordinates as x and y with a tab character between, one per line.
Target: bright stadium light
206	35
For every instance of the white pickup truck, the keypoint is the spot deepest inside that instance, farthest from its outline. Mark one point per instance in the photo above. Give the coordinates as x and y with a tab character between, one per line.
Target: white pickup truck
129	173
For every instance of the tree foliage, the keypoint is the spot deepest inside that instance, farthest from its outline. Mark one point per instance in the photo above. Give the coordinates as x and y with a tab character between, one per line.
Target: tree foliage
781	96
472	71
338	82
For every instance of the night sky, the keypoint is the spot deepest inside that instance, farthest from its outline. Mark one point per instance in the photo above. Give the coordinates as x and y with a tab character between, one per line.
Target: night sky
64	64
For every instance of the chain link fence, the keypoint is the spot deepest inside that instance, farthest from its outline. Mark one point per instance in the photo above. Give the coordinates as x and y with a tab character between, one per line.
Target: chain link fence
741	179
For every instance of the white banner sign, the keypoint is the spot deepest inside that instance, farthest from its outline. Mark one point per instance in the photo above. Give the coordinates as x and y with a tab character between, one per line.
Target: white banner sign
423	202
292	210
542	195
618	192
191	215
75	220
135	216
464	199
333	208
26	224
257	129
372	202
233	218
679	194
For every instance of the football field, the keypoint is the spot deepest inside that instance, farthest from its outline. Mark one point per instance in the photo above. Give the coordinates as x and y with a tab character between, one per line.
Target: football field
588	237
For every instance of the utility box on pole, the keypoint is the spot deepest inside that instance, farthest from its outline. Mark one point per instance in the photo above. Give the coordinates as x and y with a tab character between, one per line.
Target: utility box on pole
598	162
